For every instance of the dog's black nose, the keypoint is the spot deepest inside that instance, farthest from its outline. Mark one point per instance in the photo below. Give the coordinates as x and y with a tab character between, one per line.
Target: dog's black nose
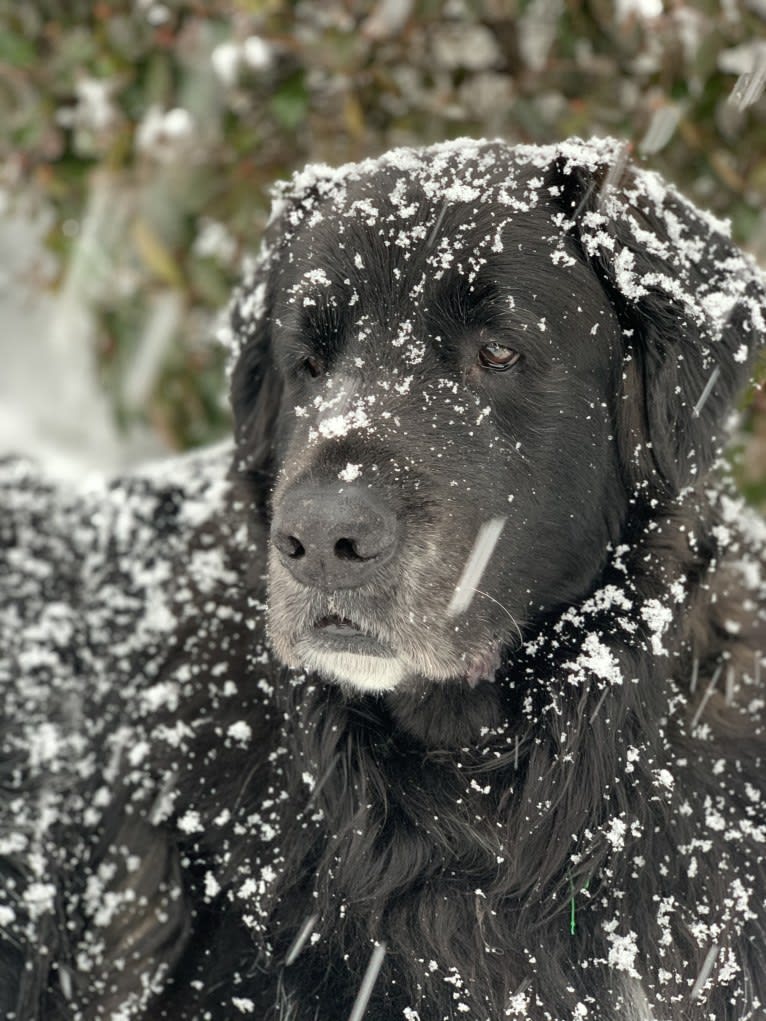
331	539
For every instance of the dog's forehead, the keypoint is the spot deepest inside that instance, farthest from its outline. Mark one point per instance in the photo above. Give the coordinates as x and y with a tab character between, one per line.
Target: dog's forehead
385	257
395	237
414	208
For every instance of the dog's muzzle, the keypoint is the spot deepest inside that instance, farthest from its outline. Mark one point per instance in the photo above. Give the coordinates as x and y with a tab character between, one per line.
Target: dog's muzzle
332	539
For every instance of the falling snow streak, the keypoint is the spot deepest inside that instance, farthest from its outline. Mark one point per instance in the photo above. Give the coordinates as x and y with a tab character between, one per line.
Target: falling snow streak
368	982
483	547
703	397
600	702
614	175
706	696
705	972
65	981
661	128
730	675
437	224
750	86
300	940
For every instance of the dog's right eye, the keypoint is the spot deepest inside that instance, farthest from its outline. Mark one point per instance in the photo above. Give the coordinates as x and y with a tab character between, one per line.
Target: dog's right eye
498	357
312	367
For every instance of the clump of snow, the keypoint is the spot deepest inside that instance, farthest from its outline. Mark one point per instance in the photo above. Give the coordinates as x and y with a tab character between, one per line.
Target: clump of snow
623	949
658	619
240	731
190	822
350	473
595	658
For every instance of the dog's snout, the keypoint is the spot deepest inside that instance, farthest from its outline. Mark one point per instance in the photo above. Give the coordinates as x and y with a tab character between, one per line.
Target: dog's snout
330	539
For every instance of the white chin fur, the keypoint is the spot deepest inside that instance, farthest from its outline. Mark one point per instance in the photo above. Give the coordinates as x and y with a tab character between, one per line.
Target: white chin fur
367	673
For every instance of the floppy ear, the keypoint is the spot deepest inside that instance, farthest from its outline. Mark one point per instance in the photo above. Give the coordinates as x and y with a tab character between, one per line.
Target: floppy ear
256	388
690	303
256	385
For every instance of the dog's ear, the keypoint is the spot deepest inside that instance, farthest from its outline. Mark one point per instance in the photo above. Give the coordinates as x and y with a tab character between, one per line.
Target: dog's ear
690	303
255	387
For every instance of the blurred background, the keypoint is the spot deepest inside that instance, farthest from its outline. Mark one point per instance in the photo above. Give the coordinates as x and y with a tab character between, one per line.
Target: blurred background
138	141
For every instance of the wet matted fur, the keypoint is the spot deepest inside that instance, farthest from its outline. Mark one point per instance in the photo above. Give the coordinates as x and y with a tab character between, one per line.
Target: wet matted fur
543	800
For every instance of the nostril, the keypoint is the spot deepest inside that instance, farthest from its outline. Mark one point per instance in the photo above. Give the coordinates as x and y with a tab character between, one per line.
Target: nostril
345	550
295	548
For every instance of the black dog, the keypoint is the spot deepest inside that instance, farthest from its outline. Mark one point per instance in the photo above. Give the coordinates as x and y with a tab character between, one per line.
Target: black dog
512	765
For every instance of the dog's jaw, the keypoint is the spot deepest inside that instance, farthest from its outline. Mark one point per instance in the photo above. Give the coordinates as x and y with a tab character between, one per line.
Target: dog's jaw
389	651
370	674
377	674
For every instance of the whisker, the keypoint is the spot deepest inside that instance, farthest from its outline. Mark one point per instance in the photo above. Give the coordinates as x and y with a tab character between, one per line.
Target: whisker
480	592
244	785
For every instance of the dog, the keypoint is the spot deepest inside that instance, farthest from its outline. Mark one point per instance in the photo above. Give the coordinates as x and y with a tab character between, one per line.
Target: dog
448	702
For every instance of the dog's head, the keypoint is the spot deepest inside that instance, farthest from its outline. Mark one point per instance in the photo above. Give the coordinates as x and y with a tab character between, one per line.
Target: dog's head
459	370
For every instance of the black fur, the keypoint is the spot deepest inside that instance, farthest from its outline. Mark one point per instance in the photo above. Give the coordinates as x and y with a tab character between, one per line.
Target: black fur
562	819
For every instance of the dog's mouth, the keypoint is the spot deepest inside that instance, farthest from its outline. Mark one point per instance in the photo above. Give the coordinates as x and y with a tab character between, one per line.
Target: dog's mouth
341	634
368	640
334	624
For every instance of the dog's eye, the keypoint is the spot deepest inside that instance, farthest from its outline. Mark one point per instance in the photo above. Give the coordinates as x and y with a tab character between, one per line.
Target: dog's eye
498	357
312	366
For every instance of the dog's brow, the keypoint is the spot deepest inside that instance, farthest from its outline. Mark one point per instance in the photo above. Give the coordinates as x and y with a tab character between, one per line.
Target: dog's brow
488	302
318	325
